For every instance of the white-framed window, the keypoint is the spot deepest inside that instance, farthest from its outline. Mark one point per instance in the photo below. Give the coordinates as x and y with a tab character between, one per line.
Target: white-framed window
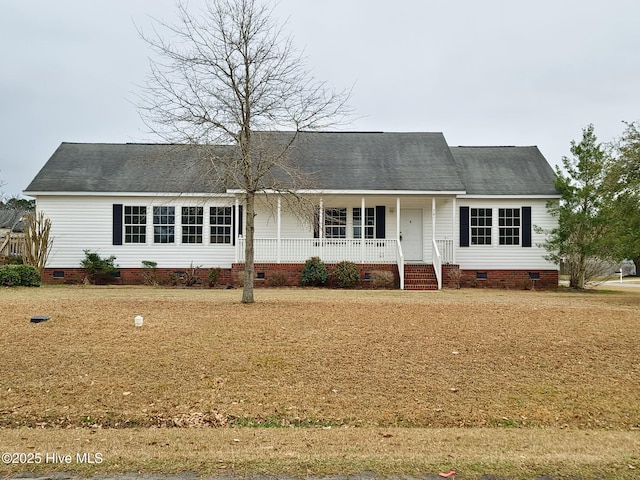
335	223
221	221
135	224
369	222
192	221
509	226
481	223
164	229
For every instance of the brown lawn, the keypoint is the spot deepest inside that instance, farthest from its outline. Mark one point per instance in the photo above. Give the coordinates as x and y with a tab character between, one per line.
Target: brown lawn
375	360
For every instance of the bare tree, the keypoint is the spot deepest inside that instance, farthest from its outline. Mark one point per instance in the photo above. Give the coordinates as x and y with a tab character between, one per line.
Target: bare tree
37	230
225	75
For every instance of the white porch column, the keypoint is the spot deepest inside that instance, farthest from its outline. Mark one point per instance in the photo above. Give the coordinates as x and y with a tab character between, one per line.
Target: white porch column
398	219
433	218
362	236
235	229
279	224
400	260
453	230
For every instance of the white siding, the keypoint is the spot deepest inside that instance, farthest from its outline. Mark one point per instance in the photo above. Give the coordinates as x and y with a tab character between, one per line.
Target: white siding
506	257
79	223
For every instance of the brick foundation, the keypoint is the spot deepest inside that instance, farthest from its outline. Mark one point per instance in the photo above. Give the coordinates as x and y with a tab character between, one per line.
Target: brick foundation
135	276
290	274
510	279
285	274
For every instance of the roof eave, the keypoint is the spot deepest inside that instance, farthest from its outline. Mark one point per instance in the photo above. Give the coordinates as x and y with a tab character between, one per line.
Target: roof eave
361	192
124	194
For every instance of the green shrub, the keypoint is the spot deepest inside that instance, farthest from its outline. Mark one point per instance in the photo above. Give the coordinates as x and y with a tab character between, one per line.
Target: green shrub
29	276
98	269
9	277
314	272
346	274
19	276
214	276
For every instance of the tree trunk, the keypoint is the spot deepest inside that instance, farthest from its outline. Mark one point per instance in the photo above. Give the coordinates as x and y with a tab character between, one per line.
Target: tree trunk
247	291
577	278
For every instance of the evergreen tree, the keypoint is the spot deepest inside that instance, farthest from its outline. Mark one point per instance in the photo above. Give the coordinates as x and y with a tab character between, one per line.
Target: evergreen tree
579	237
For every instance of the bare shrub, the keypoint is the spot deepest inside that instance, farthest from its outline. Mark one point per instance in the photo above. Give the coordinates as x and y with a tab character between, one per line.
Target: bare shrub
277	279
382	279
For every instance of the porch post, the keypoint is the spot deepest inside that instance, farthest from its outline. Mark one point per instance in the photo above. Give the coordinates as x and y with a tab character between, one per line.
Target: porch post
453	231
235	229
433	218
400	260
362	235
279	222
398	219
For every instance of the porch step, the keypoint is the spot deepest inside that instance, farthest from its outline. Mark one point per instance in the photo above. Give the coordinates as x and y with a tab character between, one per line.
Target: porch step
420	277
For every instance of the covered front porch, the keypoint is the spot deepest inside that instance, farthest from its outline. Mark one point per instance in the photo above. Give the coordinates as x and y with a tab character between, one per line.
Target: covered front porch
408	237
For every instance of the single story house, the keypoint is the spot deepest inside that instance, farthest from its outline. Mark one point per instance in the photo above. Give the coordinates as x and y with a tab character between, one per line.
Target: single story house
407	203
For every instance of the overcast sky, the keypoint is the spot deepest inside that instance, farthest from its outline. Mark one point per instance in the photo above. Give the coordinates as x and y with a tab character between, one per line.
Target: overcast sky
483	72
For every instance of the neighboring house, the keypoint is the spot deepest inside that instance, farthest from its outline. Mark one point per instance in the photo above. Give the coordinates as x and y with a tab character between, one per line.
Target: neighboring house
12	242
402	202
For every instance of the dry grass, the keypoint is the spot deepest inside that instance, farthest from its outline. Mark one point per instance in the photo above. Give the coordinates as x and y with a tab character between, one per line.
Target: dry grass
317	358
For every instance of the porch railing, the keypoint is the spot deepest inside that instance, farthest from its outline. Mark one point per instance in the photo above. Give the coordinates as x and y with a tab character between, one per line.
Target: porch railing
296	250
400	265
445	247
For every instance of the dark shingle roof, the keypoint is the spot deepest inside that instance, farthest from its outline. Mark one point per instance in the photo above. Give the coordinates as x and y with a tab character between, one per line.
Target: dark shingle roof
376	161
102	167
504	171
334	161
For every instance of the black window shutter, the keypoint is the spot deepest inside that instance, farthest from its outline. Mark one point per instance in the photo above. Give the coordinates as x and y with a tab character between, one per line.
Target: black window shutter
240	220
316	222
381	228
117	224
464	226
526	226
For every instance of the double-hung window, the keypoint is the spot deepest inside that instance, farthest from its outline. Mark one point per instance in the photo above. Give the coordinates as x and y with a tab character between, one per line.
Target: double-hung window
509	226
369	222
135	224
221	221
335	223
192	221
164	219
481	223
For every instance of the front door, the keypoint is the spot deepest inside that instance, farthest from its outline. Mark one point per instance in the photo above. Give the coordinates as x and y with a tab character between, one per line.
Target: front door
411	234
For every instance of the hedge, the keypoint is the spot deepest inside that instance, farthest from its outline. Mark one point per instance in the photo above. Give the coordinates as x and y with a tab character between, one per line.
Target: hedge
19	276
